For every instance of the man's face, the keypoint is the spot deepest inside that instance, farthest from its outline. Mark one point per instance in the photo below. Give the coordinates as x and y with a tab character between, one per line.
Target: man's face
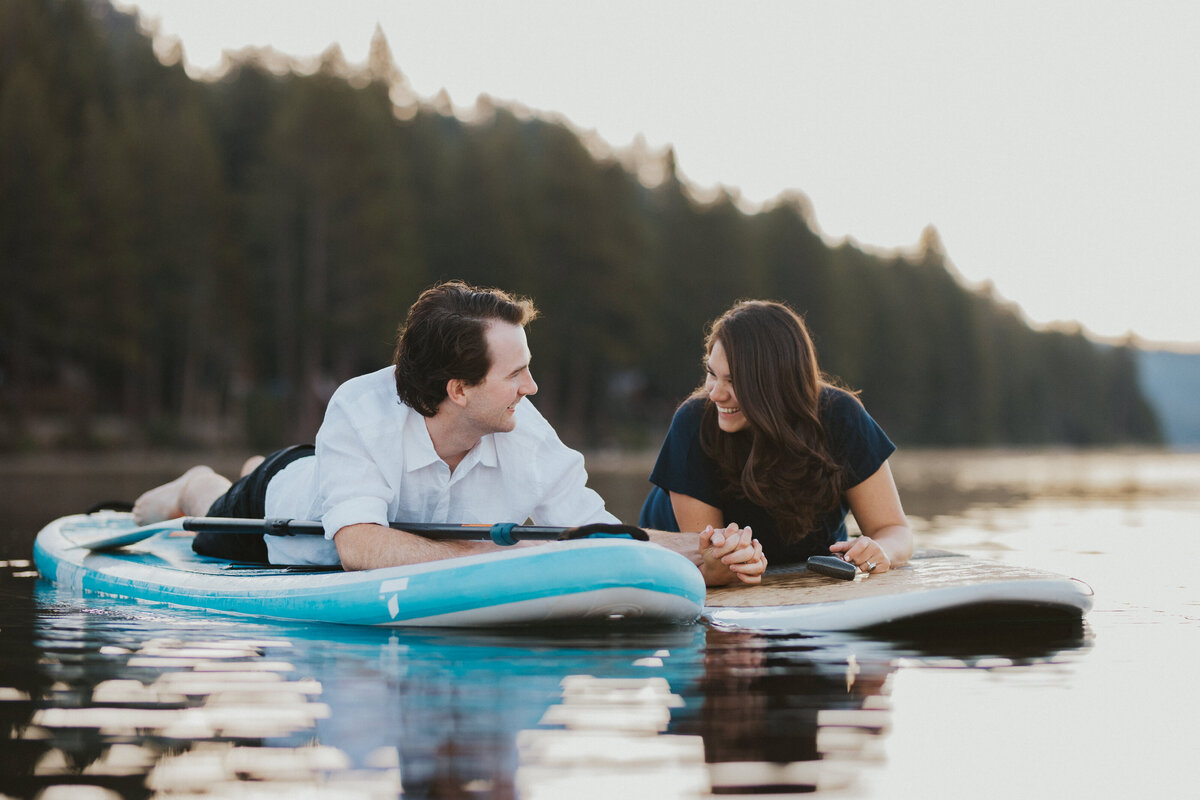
492	403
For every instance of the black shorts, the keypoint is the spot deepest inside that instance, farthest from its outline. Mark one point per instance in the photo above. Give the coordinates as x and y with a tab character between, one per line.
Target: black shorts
247	497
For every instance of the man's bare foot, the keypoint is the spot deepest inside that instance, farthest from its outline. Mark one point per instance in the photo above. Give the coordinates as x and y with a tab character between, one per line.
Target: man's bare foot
251	464
163	502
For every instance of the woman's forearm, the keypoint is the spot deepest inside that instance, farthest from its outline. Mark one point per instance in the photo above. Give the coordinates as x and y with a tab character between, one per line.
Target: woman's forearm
896	541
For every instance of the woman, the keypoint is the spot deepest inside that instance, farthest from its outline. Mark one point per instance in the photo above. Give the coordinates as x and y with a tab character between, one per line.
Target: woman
770	444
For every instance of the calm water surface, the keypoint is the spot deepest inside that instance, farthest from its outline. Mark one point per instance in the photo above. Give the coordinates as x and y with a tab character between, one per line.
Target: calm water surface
104	699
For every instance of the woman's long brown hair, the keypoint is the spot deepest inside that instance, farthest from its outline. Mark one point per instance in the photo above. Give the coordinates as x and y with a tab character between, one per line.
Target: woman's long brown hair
781	460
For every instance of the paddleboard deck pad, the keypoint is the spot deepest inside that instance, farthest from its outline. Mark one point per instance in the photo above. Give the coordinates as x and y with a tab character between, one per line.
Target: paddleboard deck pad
935	587
585	580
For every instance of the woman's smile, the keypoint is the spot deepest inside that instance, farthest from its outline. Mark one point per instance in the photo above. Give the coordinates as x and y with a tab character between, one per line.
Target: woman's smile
720	391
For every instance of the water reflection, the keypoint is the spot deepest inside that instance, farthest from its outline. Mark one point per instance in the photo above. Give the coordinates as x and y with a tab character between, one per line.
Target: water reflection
199	697
153	702
376	713
613	740
789	713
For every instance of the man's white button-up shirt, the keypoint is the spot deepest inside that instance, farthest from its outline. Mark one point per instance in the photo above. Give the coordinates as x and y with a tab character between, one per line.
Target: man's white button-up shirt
376	463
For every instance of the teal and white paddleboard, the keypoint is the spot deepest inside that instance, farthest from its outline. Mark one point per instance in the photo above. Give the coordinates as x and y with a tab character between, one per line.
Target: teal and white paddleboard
558	582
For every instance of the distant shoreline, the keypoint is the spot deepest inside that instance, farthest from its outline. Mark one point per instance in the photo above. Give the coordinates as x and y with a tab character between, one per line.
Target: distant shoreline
137	461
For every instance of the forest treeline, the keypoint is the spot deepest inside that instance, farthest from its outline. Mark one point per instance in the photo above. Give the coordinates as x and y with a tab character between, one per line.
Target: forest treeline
199	262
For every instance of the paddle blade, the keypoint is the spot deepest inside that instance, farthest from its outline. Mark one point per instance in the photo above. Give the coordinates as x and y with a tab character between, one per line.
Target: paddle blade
113	539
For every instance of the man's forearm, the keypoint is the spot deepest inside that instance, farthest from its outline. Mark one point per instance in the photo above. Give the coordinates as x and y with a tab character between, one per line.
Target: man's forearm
686	544
370	546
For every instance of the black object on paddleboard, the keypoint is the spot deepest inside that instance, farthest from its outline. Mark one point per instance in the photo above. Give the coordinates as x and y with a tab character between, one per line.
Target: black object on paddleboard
832	566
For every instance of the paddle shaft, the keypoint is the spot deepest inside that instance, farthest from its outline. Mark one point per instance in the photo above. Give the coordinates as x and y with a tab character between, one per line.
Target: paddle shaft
502	533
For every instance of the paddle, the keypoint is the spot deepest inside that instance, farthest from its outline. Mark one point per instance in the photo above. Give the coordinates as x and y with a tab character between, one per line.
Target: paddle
501	533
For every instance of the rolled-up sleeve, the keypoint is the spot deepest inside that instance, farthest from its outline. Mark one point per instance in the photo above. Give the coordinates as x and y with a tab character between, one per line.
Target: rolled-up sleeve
352	487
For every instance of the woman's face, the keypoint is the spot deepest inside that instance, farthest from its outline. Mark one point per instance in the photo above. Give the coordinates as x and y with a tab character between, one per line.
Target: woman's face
720	390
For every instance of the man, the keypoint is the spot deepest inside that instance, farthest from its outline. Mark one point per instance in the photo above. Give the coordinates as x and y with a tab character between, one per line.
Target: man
441	435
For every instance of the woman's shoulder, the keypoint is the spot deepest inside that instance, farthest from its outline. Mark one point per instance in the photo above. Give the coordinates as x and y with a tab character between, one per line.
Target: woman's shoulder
843	413
852	434
838	403
685	425
690	412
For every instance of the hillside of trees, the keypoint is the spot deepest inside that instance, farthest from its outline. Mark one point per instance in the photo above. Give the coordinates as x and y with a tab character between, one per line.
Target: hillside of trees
201	262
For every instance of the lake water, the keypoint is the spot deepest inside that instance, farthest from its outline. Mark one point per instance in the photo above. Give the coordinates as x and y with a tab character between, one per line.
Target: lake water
104	699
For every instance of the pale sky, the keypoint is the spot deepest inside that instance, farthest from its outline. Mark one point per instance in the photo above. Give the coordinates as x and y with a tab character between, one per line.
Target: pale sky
1055	146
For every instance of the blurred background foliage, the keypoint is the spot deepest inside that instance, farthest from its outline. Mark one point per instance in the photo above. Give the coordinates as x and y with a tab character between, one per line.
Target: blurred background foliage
191	262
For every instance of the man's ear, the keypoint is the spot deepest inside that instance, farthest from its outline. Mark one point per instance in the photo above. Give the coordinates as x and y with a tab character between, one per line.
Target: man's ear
456	391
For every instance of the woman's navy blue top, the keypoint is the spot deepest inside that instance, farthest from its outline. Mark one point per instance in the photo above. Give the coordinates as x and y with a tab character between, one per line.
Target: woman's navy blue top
854	440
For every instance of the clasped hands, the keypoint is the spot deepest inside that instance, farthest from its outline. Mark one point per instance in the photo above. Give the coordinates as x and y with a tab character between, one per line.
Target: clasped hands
729	554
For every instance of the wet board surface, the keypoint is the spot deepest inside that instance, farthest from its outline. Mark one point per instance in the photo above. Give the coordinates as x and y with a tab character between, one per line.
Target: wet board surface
934	586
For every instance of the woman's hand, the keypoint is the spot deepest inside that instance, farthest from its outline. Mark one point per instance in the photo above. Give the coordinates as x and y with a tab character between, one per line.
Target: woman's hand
864	553
731	553
886	541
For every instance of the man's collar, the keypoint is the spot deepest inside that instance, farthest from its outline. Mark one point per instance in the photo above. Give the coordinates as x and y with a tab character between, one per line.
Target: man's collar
487	451
483	454
420	452
417	444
